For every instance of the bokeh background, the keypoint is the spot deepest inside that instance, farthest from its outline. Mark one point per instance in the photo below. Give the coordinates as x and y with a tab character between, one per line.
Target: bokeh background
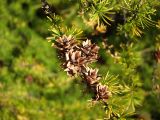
32	84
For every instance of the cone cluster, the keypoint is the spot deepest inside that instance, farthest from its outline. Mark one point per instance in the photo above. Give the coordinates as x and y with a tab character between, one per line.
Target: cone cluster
76	58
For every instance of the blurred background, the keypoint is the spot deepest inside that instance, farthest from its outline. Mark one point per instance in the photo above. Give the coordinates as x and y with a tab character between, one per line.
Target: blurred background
32	84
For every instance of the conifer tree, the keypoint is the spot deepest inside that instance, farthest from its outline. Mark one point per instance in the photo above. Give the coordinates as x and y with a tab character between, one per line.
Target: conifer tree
117	27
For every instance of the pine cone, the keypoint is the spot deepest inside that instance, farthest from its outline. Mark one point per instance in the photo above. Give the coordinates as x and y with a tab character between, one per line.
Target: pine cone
74	62
91	76
102	92
90	50
65	43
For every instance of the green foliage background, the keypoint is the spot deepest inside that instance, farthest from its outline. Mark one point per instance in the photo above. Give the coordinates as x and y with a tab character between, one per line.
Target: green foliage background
32	84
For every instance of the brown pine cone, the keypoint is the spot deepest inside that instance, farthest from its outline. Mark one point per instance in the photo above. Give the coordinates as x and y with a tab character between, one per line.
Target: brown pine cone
65	43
